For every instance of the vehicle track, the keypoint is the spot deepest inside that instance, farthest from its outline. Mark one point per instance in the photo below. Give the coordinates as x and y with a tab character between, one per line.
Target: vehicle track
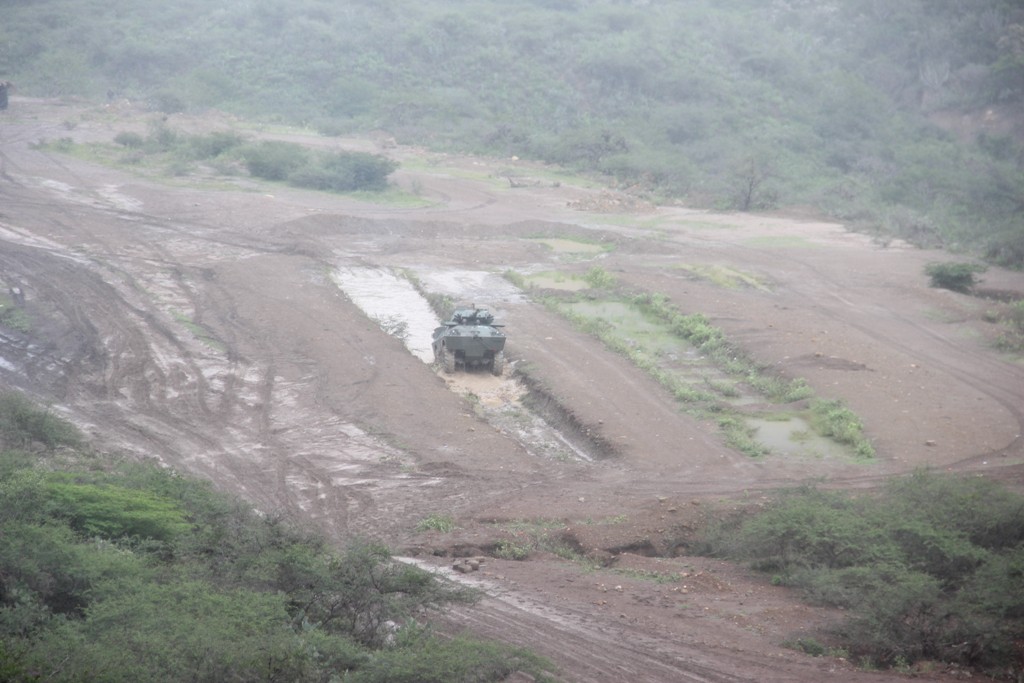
272	385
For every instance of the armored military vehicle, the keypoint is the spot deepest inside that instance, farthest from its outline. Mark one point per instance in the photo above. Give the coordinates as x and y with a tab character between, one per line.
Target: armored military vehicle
471	339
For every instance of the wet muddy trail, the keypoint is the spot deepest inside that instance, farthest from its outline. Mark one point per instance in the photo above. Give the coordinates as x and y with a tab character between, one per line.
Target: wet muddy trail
273	341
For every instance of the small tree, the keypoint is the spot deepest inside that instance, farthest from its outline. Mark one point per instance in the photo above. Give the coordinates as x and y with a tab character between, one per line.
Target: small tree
752	176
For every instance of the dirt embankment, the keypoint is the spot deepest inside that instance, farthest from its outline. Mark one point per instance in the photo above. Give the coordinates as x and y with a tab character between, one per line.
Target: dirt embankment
203	327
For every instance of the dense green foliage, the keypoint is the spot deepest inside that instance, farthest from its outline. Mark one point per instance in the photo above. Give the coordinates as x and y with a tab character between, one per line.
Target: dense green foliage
931	569
959	277
133	573
273	160
746	104
22	424
1011	338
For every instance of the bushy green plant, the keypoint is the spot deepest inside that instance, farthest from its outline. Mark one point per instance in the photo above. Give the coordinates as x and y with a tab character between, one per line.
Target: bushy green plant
421	657
130	572
22	423
931	568
513	550
274	160
959	277
212	145
13	316
1011	338
161	137
114	512
740	436
442	523
345	172
129	139
599	278
834	419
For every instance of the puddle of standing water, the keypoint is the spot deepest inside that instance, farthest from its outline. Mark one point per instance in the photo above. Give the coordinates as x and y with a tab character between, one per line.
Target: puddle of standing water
793	436
394	303
402	311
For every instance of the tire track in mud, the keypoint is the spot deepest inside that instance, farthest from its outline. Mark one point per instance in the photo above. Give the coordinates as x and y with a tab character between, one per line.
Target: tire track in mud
133	372
284	454
599	647
1005	396
999	386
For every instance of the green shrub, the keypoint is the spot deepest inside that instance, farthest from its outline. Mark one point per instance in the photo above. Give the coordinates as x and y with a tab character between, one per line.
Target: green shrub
599	278
959	277
1011	338
274	160
114	512
932	568
345	172
161	137
214	144
130	572
13	316
833	419
419	657
442	523
129	139
512	550
22	423
167	102
740	436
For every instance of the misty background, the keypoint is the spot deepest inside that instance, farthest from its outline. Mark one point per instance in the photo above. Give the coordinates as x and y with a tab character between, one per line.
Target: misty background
901	118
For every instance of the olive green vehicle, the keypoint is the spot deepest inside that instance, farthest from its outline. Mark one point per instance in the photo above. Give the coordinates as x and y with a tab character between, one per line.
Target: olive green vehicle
471	339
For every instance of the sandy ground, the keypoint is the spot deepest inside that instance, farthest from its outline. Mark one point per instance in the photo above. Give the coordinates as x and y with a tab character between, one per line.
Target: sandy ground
201	321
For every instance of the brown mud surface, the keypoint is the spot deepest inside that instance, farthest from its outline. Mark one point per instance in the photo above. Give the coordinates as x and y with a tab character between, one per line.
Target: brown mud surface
198	321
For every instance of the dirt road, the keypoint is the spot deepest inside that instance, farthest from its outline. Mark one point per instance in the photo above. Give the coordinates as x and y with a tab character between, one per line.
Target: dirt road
200	321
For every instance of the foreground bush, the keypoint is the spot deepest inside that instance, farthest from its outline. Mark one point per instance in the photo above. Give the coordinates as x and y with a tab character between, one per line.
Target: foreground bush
932	568
133	573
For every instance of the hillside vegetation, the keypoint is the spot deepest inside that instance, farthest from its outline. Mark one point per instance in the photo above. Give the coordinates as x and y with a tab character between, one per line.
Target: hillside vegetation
733	104
129	572
930	570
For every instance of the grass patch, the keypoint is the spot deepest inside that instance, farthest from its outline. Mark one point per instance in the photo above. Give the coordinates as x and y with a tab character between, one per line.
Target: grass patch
780	242
833	419
723	276
443	523
707	225
200	332
741	436
1011	338
661	341
599	278
647	575
526	537
572	245
12	316
174	154
551	279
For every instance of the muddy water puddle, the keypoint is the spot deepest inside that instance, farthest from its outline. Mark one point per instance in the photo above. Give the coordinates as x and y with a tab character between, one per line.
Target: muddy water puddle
403	312
394	303
793	436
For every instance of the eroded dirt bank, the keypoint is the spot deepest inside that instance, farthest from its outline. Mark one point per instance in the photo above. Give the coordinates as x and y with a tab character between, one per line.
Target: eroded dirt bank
206	328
